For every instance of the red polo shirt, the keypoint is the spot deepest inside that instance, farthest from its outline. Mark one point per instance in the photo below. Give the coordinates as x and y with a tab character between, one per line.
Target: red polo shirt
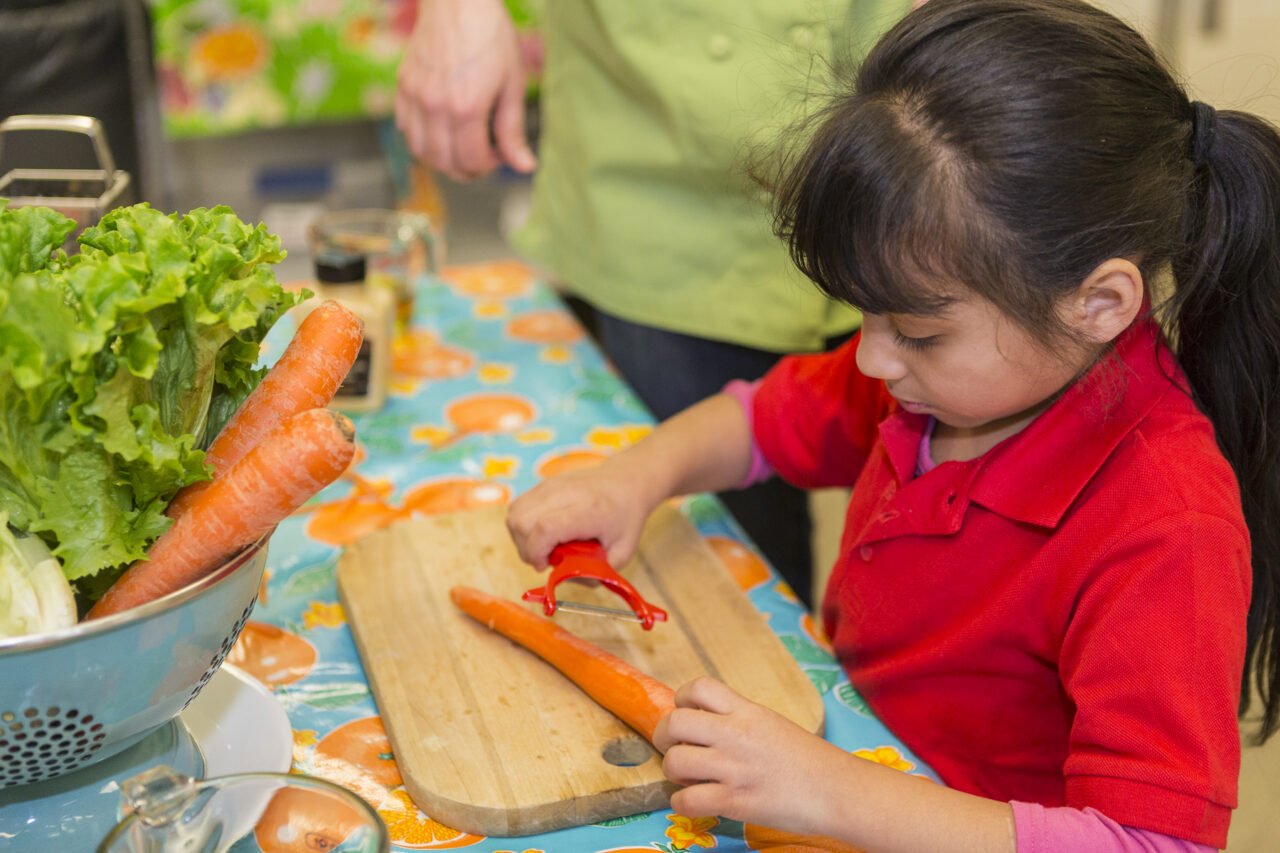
1061	620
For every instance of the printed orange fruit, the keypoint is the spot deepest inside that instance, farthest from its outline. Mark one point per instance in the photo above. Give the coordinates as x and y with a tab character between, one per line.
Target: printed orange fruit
344	521
570	460
453	495
420	353
545	327
300	821
495	412
490	280
271	654
357	755
813	629
409	827
745	566
777	841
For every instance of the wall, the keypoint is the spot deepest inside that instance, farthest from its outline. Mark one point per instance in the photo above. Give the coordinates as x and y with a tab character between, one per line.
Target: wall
1227	50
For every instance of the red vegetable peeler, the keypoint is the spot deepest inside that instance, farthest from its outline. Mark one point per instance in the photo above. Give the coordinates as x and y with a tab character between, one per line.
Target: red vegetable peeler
586	560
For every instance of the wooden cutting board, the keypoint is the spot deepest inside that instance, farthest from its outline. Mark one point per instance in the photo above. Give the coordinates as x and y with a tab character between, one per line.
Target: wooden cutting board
492	740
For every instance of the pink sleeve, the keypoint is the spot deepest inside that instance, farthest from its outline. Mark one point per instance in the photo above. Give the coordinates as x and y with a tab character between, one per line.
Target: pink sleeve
745	393
1069	830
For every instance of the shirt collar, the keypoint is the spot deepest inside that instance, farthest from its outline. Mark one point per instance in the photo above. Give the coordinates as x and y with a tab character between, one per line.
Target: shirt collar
1073	437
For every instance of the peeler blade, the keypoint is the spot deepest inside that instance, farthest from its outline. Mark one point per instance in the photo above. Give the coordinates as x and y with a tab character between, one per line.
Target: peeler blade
596	610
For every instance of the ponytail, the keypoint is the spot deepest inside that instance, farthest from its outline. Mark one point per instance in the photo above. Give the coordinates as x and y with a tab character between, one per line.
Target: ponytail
1224	317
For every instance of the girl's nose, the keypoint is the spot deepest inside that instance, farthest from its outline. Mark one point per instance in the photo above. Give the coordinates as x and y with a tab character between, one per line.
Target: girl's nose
877	357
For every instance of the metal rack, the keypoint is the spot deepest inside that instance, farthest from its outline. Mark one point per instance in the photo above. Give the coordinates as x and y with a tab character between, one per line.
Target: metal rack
81	194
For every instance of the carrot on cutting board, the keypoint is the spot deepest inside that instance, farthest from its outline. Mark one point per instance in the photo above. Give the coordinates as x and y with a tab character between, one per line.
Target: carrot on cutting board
306	376
298	458
638	699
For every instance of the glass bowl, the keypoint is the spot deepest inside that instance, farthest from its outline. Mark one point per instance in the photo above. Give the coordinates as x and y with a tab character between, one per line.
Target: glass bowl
168	812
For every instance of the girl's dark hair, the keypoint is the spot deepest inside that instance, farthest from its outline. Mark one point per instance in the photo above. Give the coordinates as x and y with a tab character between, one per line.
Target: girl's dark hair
1011	146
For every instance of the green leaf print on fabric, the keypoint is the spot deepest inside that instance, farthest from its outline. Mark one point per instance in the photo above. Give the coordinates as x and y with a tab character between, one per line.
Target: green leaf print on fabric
804	651
623	821
823	679
328	697
311	581
852	699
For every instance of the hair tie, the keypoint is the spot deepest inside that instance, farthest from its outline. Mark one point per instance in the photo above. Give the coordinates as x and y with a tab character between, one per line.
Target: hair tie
1204	127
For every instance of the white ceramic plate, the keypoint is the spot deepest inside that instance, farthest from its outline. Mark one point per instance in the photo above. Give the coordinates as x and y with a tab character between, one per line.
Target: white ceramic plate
239	725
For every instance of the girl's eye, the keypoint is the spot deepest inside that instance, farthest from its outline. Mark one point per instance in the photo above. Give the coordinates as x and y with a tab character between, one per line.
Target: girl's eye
913	344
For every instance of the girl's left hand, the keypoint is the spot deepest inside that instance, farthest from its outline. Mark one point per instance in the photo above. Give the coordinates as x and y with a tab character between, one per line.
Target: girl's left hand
742	761
745	762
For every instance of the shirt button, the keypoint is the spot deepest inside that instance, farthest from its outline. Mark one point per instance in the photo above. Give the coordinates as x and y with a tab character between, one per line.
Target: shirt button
801	36
865	553
719	46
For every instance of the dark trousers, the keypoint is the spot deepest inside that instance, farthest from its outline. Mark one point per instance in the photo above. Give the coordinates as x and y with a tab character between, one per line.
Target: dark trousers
670	372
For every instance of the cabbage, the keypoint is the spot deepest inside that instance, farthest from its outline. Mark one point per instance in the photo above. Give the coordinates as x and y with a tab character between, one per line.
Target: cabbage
35	596
118	365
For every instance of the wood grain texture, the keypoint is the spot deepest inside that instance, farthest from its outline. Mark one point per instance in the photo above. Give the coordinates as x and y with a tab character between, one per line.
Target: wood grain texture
492	740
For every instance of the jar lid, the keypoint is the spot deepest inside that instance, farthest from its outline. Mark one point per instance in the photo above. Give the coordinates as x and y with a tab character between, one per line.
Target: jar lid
340	268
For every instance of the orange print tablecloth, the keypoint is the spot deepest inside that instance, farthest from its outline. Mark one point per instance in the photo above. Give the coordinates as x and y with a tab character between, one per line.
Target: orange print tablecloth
496	386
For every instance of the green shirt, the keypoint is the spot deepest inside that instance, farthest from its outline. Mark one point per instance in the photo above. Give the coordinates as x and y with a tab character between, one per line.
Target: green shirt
641	204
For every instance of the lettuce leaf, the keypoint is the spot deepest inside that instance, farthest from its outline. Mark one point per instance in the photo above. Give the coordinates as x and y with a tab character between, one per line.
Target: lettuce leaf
119	364
34	595
28	236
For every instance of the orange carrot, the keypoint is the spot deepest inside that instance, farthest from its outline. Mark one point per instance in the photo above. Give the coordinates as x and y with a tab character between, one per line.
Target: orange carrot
294	461
639	700
306	376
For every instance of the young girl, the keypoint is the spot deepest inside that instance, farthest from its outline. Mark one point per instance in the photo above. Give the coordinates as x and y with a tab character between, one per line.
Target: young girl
1045	572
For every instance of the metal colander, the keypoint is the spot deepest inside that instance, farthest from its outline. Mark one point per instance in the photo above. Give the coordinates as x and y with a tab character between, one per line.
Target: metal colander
74	697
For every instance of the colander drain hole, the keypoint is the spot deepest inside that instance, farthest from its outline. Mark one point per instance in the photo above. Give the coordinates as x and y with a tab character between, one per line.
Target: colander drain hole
36	746
221	654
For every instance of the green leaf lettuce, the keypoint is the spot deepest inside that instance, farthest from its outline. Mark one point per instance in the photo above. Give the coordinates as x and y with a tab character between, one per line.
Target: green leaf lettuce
118	366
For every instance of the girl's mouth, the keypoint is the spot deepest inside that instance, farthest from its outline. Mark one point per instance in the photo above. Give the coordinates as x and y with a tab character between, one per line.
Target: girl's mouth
914	407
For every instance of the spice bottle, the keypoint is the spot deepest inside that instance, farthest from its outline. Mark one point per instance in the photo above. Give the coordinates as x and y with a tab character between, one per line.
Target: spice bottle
341	276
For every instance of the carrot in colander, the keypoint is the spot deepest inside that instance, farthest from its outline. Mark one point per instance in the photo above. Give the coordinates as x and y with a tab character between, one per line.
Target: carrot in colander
306	376
301	456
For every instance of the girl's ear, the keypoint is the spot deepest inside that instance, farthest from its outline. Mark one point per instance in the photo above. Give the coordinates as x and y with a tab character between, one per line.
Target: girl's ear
1107	301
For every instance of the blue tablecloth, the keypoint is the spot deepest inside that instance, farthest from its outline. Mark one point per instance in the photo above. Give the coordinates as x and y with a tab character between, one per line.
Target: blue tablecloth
496	386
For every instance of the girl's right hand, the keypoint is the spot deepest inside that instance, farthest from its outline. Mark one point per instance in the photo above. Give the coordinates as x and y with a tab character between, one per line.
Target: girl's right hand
705	448
602	503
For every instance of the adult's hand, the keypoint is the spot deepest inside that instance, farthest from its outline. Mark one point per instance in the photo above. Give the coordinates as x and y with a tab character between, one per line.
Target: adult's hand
463	74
